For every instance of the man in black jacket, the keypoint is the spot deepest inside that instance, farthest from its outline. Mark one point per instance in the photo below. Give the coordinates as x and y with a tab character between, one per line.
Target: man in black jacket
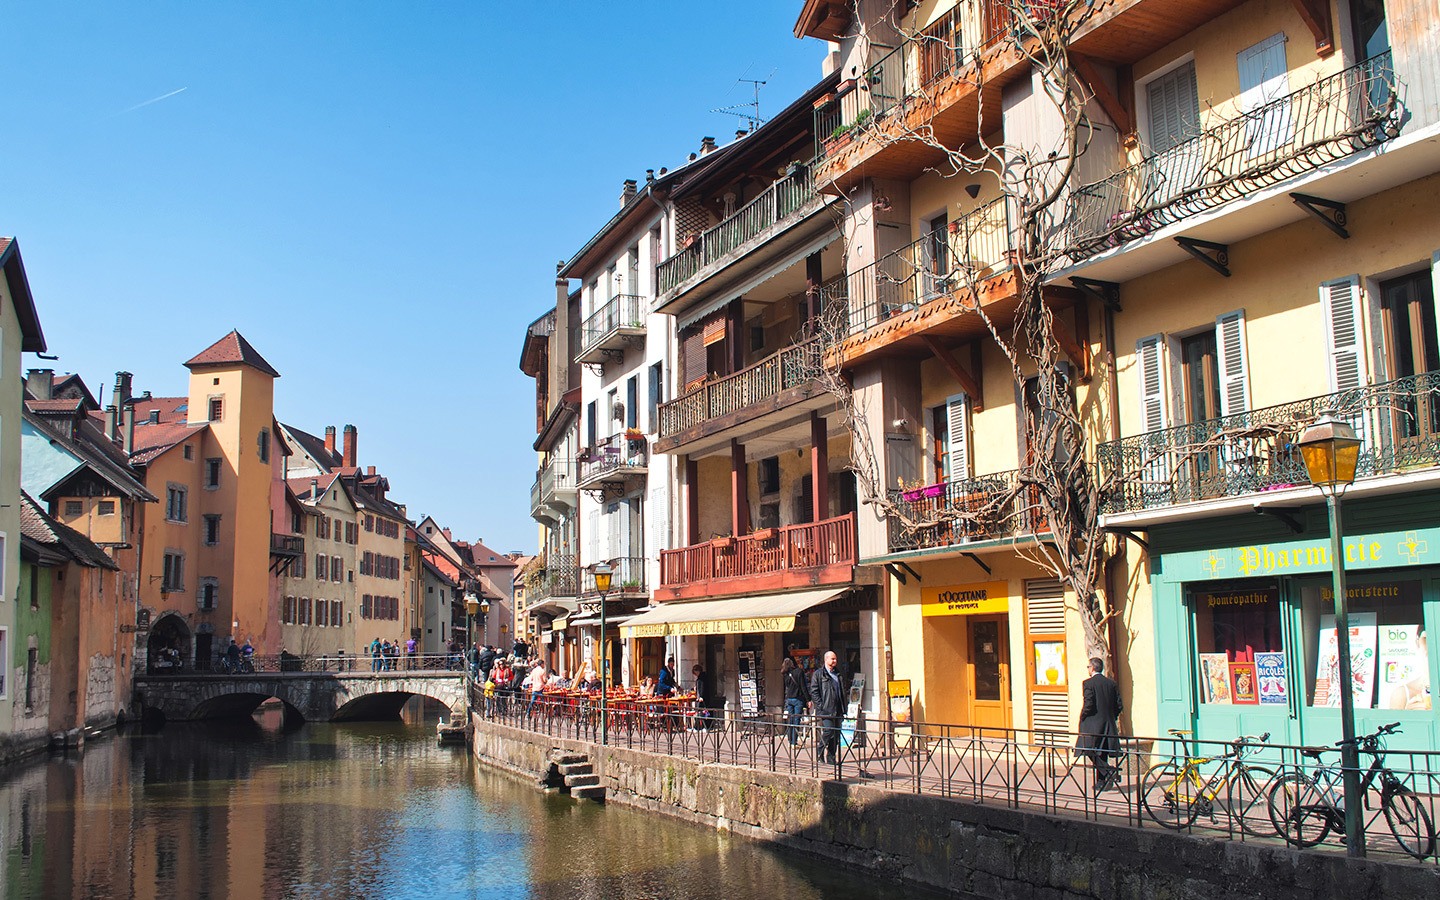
1099	730
827	700
487	662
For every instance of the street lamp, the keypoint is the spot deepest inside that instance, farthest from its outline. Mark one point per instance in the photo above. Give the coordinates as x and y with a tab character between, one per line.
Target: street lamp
484	611
472	607
1331	451
603	575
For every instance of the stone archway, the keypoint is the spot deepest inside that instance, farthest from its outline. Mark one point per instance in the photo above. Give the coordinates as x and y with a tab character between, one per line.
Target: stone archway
169	633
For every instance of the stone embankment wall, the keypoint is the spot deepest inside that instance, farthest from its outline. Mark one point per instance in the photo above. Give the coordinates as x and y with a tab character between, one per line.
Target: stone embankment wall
974	851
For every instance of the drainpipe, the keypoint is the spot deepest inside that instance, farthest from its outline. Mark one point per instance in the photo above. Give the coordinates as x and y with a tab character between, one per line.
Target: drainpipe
1112	565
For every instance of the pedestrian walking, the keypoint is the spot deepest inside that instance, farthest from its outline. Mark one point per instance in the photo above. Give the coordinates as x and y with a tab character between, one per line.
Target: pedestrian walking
797	694
827	700
1099	726
410	653
375	655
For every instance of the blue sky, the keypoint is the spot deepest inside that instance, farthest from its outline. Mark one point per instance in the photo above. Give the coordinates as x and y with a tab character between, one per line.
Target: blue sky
375	194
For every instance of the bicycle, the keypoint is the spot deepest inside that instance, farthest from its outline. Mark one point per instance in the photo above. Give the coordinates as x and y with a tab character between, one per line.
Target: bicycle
1175	795
1306	808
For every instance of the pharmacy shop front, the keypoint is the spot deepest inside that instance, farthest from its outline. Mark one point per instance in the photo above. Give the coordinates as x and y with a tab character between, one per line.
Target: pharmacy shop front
1245	628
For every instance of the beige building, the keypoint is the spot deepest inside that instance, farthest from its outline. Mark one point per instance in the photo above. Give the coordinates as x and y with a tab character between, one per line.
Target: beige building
318	592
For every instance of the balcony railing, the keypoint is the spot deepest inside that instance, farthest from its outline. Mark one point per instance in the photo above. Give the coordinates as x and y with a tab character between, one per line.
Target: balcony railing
1333	118
976	247
983	508
616	455
789	547
622	312
287	544
557	579
554	485
1398	423
788	368
628	578
777	202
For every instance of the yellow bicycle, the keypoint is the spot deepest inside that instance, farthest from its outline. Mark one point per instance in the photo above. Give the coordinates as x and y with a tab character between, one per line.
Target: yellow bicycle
1174	793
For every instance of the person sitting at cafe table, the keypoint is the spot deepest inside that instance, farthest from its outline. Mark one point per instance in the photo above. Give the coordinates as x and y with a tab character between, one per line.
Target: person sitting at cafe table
647	686
587	680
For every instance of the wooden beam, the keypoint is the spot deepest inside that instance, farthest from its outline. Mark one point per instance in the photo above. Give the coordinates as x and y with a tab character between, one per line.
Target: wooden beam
739	490
1316	16
967	383
819	469
1116	110
692	501
1125	87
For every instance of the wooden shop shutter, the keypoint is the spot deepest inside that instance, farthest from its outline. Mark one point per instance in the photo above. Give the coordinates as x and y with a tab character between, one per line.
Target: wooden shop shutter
1234	380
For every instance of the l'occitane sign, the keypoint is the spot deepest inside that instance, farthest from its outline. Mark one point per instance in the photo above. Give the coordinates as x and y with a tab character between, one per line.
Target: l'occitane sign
965	599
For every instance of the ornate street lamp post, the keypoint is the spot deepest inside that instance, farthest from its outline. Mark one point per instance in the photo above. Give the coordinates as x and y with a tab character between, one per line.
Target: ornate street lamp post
603	576
484	611
1332	450
472	607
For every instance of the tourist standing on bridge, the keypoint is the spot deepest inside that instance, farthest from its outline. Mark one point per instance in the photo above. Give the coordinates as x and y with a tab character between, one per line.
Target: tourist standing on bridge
375	655
232	656
1099	729
410	653
827	696
486	660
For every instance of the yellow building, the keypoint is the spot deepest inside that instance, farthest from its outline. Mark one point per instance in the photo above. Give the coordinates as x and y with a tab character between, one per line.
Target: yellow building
318	611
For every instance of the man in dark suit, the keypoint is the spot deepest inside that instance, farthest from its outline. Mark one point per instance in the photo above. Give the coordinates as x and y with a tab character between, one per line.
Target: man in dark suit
1099	730
827	700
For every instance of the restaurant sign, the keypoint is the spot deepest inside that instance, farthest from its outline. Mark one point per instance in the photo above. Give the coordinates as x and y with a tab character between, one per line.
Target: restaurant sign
965	599
749	625
1380	550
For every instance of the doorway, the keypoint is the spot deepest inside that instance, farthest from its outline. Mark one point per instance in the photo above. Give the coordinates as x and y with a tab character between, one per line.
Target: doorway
989	671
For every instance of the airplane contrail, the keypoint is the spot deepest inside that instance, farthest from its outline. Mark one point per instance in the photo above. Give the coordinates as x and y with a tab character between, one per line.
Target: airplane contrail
153	100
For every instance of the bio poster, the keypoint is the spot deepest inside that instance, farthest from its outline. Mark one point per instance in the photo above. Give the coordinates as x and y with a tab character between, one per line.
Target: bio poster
1363	641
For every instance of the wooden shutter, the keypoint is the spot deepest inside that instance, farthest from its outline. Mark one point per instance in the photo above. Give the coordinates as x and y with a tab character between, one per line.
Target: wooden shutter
1152	383
1263	80
692	357
1045	621
1234	379
593	538
957	438
1174	108
1340	301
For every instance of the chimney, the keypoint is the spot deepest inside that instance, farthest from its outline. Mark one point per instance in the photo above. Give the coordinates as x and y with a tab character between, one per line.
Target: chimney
446	532
369	470
347	452
40	383
154	417
739	133
128	411
330	439
627	193
315	488
122	388
707	145
649	176
112	423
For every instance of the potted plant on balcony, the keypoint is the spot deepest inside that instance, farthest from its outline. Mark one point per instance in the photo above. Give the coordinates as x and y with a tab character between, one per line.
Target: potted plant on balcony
585	455
723	542
634	434
632	585
764	534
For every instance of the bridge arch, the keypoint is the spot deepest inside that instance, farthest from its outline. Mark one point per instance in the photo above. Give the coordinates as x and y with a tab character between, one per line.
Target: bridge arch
312	696
382	705
238	705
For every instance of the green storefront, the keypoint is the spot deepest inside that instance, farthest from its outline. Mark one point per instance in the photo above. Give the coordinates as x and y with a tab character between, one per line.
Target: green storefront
1244	627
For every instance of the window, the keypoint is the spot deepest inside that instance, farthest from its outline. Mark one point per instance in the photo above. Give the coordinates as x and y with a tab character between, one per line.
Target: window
1174	111
338	530
287	611
337	569
304	615
262	442
1200	375
74	508
770	475
173	577
657	395
217	408
366	607
175	504
592	427
322	566
951	427
370	523
188	451
322	613
105	508
367	563
212	530
209	594
32	663
337	613
1392	660
632	402
212	473
1407	309
297	568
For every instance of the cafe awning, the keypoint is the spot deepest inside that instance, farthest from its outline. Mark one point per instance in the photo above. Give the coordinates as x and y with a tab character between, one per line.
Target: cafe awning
739	615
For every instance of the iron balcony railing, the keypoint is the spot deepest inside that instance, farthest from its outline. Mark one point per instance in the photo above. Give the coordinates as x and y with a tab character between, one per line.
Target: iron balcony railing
557	579
780	371
628	577
620	311
1322	122
777	202
617	453
287	544
824	543
974	248
554	482
1398	423
983	508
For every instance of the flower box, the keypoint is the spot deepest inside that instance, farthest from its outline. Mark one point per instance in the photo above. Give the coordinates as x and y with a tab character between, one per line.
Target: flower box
723	543
764	534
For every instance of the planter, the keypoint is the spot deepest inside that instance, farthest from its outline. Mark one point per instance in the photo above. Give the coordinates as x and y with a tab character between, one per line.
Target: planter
764	534
723	543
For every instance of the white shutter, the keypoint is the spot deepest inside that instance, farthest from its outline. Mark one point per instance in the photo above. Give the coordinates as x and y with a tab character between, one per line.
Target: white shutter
1435	283
957	438
1264	80
1152	383
1234	379
1340	301
592	540
1174	108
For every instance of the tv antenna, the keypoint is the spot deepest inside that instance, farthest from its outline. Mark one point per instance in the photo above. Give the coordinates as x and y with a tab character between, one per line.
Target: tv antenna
750	112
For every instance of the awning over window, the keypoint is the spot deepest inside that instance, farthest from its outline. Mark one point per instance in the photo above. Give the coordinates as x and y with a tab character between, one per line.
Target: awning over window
739	615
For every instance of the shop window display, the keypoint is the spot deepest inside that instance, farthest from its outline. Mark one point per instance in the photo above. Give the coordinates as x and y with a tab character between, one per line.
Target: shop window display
1389	650
1237	635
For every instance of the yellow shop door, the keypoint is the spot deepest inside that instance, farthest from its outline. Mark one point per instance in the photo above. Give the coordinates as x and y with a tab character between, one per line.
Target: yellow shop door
989	671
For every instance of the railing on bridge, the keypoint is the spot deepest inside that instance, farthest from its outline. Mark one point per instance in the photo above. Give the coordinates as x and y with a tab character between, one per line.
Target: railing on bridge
290	664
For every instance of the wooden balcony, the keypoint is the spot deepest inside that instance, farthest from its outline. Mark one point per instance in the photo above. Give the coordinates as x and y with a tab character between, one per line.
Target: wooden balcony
773	559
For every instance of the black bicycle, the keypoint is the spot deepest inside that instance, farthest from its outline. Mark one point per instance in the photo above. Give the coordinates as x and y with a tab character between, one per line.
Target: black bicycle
1306	808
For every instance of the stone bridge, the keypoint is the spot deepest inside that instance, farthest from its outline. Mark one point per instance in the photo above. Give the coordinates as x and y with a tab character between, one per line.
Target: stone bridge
314	696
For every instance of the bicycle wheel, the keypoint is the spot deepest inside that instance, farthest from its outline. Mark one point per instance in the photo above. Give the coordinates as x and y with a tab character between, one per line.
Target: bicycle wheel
1248	800
1169	796
1298	810
1409	822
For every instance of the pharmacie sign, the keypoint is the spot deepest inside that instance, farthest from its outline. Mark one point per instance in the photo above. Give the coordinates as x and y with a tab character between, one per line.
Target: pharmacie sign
1380	550
965	599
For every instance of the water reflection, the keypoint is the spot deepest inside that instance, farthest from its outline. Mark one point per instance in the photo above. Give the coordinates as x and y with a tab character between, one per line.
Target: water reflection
259	809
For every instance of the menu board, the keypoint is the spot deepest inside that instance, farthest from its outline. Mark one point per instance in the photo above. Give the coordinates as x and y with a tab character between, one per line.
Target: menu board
752	683
1363	648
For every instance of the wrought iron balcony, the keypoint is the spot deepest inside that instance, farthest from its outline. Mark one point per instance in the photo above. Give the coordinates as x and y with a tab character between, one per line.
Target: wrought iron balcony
608	330
976	248
614	458
766	380
555	581
783	199
964	511
1322	122
554	490
1398	423
628	579
769	554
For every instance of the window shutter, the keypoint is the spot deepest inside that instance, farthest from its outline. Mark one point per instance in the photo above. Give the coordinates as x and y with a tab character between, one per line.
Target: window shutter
1152	383
1263	80
1174	108
957	438
593	539
1234	379
692	357
1340	300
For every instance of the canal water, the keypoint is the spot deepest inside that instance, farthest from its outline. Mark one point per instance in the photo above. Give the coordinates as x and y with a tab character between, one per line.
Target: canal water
252	809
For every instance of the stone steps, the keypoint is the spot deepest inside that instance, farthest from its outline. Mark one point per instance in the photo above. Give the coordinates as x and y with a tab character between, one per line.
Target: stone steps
576	774
574	781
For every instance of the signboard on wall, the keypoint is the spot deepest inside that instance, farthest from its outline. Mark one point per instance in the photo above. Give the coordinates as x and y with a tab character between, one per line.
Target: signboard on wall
982	598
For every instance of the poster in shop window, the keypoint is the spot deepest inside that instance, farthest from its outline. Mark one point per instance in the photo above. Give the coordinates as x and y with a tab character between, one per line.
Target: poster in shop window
1242	683
1270	676
1404	668
1215	677
1363	639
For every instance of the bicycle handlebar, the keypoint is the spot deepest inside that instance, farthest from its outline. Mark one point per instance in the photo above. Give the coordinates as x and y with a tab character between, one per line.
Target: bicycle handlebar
1370	739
